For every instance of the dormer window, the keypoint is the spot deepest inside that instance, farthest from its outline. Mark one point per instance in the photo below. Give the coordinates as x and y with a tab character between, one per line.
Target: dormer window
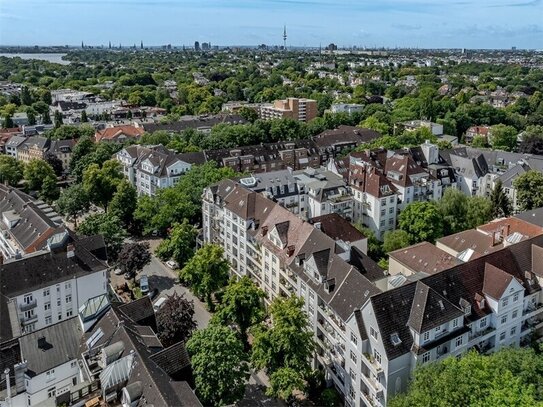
395	339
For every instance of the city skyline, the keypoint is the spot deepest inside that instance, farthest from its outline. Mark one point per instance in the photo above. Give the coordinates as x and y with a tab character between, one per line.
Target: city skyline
390	23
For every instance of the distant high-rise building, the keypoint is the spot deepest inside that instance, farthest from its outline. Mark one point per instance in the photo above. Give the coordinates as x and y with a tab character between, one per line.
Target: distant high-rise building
285	37
331	47
196	46
141	45
109	44
82	45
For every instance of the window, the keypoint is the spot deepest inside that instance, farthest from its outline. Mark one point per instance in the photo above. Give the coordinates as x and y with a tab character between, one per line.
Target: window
74	381
50	375
73	364
67	286
47	306
373	332
29	314
46	292
58	302
69	313
58	288
438	328
482	322
426	357
354	339
504	319
28	298
513	331
353	357
426	336
505	302
455	323
59	316
352	373
502	336
514	314
515	297
48	320
459	341
52	392
377	356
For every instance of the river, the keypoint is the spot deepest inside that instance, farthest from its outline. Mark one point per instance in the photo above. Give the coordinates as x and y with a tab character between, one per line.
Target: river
54	58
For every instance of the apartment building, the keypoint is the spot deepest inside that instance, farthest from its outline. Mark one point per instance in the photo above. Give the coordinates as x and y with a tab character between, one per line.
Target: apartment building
349	108
11	147
412	125
119	134
370	334
151	168
27	225
34	148
43	289
302	110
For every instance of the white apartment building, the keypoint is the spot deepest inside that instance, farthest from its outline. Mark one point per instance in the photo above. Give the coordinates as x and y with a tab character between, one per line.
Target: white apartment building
346	108
151	168
368	341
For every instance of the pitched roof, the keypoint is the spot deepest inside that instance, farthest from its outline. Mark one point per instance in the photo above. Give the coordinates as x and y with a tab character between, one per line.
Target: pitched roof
430	309
535	216
52	346
112	133
496	281
337	228
424	257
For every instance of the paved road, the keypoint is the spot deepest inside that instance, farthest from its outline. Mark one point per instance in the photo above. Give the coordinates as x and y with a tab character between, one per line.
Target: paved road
163	278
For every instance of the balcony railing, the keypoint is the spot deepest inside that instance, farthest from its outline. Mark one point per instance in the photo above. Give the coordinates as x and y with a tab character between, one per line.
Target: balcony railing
29	320
25	306
484	332
373	364
532	308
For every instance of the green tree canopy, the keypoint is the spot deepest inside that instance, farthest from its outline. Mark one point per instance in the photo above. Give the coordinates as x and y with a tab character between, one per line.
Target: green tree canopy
241	304
124	202
11	170
503	137
501	205
206	272
479	211
101	183
454	208
180	243
510	377
175	320
107	225
529	187
35	172
219	365
422	221
73	201
394	240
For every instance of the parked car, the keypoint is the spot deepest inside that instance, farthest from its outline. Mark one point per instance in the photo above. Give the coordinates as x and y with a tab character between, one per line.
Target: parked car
117	271
153	293
144	284
159	303
172	264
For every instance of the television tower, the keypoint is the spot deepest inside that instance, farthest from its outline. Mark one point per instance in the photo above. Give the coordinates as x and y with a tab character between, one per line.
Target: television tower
285	37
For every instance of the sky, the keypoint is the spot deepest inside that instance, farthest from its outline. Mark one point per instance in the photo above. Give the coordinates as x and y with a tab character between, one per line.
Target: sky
369	23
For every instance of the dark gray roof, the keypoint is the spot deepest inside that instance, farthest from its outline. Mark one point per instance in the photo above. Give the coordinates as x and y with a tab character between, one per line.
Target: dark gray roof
172	359
535	216
194	122
52	346
39	142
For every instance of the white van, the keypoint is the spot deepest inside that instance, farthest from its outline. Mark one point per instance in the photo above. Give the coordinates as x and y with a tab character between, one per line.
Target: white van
159	303
144	285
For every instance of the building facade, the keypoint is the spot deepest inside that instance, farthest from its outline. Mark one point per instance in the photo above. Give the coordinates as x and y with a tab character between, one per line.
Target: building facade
303	110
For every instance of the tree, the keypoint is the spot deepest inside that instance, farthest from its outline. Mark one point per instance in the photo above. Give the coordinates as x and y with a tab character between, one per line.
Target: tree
35	172
83	148
509	377
479	211
503	137
206	272
242	305
175	320
529	188
31	115
375	247
422	221
26	97
133	257
58	119
84	118
101	183
11	170
479	142
124	202
454	207
284	382
248	114
288	342
501	205
73	201
180	243
8	122
219	364
373	123
54	162
394	240
107	225
49	191
46	117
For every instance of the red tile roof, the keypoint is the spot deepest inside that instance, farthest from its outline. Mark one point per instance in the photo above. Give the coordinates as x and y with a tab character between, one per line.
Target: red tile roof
112	133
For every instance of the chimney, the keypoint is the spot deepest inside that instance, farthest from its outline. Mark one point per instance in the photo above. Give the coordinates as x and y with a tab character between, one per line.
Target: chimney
318	225
70	251
290	251
1	259
264	230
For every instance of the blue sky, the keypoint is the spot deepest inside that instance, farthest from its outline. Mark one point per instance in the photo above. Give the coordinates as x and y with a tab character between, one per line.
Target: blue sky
406	23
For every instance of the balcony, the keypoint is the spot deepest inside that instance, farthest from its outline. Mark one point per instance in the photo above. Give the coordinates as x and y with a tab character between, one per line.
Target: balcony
29	320
479	334
532	310
373	364
25	306
373	384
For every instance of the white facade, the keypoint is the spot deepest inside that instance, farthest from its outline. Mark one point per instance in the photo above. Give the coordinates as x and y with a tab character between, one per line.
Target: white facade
346	108
37	309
